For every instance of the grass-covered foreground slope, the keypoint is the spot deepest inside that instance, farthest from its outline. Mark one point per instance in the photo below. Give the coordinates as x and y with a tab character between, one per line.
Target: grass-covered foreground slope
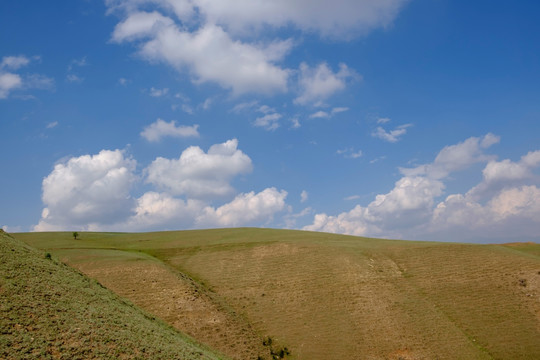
322	296
50	311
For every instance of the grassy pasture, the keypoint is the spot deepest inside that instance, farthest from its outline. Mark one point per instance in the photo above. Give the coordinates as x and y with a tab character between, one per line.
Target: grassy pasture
323	296
51	311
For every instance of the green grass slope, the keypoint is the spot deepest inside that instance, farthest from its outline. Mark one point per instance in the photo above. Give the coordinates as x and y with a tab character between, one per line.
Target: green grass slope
324	296
50	311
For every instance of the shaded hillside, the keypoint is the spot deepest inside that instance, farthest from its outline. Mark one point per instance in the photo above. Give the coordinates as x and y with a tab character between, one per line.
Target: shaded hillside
327	296
48	310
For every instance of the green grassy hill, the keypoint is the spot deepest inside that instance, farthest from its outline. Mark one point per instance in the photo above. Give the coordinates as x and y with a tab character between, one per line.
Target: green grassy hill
322	296
50	311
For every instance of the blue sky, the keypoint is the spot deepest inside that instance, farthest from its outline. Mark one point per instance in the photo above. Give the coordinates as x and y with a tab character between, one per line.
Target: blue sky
402	119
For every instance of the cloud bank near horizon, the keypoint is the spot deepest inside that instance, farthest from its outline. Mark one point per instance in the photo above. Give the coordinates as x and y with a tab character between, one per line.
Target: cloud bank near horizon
505	204
94	192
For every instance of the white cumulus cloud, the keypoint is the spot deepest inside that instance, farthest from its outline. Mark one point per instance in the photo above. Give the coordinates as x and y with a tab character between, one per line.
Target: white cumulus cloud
523	200
159	211
341	18
140	25
216	41
198	174
319	83
245	209
455	157
9	82
408	204
352	222
269	122
208	53
508	170
160	129
503	207
93	193
510	215
88	189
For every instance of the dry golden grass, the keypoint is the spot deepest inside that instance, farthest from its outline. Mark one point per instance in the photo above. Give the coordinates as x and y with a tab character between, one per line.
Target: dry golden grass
323	296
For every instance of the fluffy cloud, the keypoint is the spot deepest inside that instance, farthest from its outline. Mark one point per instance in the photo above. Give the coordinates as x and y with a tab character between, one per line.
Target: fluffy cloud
269	121
198	174
245	209
319	83
93	192
160	129
455	157
158	211
524	200
351	223
10	81
14	62
503	207
409	194
140	25
341	18
508	170
209	53
511	215
408	204
392	135
503	204
88	189
213	39
499	175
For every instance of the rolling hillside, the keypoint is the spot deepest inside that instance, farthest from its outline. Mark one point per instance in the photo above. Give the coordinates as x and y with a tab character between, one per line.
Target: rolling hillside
321	296
50	311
